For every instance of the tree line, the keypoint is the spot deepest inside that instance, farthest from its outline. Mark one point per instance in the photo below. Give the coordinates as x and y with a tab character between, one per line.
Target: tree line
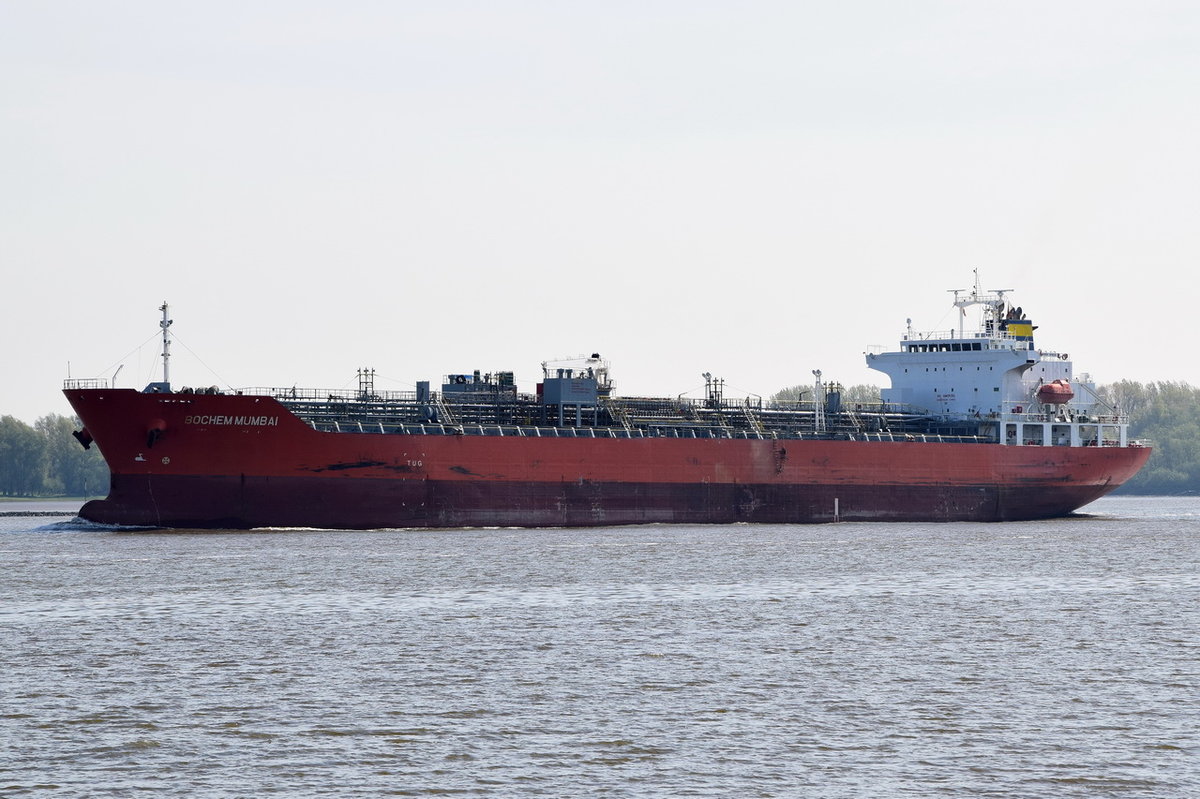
1168	415
45	460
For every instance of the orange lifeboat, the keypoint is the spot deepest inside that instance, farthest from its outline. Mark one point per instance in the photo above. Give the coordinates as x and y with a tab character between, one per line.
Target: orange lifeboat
1058	392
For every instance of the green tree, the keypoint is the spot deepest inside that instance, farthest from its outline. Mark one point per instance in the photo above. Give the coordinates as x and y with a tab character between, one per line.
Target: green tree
71	470
1168	415
859	394
22	459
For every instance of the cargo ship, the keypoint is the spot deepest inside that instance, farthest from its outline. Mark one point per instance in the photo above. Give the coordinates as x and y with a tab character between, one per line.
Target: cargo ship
978	424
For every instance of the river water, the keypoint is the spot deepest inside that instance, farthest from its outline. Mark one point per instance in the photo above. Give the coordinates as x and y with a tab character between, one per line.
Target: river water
1057	658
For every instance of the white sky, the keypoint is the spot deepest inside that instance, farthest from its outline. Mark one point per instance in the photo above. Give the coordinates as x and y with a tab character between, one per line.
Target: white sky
755	189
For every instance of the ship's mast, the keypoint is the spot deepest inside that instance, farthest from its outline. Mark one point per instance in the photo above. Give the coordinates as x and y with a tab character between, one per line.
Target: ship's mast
166	353
994	300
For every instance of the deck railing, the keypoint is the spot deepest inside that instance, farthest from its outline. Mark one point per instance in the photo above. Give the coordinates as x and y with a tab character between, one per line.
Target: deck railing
328	395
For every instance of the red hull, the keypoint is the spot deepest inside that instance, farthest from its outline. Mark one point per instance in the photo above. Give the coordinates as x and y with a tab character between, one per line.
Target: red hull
239	461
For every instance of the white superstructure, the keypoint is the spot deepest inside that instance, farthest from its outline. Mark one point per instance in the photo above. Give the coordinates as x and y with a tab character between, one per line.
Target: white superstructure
993	373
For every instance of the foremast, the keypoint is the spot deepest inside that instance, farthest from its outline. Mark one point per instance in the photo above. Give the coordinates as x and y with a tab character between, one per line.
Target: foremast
164	387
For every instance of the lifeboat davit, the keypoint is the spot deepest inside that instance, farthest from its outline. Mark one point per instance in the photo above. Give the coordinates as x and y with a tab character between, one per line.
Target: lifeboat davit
1058	392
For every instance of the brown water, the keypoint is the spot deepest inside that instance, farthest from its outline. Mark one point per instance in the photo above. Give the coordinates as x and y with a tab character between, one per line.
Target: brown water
1057	658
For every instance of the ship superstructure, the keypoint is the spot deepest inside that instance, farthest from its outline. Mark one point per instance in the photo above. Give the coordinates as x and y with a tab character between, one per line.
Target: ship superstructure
994	377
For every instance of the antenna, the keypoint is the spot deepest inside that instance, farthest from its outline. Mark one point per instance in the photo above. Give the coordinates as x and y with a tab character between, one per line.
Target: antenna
164	324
